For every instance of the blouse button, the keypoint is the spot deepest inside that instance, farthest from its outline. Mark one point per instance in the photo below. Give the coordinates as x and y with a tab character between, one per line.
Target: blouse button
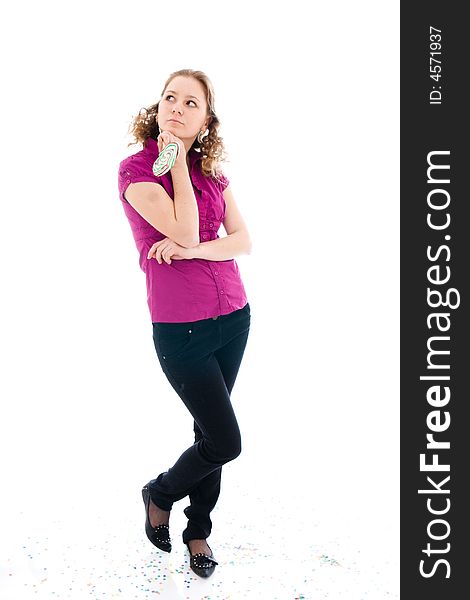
128	181
211	224
216	272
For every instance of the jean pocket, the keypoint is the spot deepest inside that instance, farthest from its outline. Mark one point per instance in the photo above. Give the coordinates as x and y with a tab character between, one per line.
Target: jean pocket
171	339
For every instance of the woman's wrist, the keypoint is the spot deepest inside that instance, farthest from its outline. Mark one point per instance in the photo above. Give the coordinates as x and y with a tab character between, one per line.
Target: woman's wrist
180	167
194	251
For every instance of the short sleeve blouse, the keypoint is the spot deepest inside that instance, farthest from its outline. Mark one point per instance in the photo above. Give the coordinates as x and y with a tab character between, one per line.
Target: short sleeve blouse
191	289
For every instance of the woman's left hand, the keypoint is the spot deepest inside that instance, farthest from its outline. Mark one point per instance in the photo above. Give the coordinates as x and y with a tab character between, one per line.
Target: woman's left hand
167	249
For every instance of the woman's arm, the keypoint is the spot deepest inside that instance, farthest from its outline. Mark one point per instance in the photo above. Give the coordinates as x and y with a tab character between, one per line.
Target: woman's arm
223	248
236	242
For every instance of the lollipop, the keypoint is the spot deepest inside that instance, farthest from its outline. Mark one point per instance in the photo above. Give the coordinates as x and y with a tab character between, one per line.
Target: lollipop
166	159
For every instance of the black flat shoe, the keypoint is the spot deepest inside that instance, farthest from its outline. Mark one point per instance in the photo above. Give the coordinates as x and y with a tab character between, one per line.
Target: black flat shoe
201	564
159	535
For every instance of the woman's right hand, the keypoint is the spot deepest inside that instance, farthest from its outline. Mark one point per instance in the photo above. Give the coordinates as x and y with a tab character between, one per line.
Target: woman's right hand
164	138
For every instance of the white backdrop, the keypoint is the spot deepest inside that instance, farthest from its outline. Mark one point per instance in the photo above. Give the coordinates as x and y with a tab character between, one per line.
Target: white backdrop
314	87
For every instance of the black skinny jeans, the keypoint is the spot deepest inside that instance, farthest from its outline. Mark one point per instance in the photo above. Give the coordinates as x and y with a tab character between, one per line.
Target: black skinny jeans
201	360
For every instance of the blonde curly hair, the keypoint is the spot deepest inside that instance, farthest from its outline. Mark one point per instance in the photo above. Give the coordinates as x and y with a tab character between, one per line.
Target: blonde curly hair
145	125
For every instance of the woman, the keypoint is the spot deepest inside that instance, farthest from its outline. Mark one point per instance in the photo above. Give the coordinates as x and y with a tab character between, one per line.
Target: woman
197	301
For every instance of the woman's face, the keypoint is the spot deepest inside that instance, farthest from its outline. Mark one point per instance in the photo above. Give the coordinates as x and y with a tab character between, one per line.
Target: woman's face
184	101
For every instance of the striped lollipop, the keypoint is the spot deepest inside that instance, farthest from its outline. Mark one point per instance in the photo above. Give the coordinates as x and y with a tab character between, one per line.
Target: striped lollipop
166	159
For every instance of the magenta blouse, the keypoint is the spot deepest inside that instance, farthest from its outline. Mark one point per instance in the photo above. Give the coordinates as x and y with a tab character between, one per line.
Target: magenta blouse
188	289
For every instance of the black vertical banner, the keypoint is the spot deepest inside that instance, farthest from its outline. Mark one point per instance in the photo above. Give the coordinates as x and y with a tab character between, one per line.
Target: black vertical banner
434	302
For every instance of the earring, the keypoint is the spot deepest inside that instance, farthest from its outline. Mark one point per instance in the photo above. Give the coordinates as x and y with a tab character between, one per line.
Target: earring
200	135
